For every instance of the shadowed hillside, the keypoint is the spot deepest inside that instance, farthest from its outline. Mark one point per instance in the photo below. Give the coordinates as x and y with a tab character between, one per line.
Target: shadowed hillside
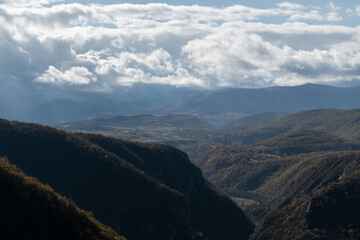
306	184
143	191
240	171
278	170
31	210
164	164
329	213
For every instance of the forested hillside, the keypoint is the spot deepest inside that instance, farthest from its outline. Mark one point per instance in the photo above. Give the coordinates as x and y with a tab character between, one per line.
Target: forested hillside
31	210
143	191
329	213
342	123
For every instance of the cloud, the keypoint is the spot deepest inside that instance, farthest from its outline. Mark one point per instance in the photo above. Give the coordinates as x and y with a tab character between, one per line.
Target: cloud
100	47
357	10
333	15
28	3
72	76
288	5
312	15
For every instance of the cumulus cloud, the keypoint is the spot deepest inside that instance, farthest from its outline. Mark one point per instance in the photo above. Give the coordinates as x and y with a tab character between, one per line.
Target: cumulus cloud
28	3
72	76
289	5
99	47
357	10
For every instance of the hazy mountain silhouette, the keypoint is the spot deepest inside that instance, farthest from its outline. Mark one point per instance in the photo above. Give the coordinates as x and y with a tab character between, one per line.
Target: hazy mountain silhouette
60	111
272	99
260	118
220	107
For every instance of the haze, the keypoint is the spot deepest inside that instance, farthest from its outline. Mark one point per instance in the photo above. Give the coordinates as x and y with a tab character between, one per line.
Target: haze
93	51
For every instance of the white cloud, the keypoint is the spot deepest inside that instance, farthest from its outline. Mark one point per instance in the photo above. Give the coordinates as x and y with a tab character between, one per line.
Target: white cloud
73	76
28	3
288	5
357	10
312	15
333	15
104	46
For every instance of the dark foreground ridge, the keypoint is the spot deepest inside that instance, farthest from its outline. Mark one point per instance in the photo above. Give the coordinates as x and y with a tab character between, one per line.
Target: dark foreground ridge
142	191
31	210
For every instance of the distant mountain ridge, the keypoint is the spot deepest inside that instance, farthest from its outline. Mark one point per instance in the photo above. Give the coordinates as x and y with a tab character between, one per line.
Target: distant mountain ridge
218	107
60	111
147	120
272	99
195	136
341	122
186	132
260	118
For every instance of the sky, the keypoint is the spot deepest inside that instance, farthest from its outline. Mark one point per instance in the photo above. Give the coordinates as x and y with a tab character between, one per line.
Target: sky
48	47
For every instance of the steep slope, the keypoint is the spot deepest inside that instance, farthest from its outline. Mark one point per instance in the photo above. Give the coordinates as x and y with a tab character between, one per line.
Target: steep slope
119	195
142	191
342	123
242	171
306	182
31	210
332	212
172	167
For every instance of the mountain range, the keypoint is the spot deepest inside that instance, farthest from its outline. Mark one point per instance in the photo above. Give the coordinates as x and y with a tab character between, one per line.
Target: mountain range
143	191
293	169
341	122
196	137
219	107
298	180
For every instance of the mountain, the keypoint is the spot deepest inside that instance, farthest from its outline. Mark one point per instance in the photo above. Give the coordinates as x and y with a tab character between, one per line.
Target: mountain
329	213
242	172
222	107
196	137
79	105
219	108
340	122
31	210
186	132
60	111
208	204
143	191
272	99
136	121
305	184
260	118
